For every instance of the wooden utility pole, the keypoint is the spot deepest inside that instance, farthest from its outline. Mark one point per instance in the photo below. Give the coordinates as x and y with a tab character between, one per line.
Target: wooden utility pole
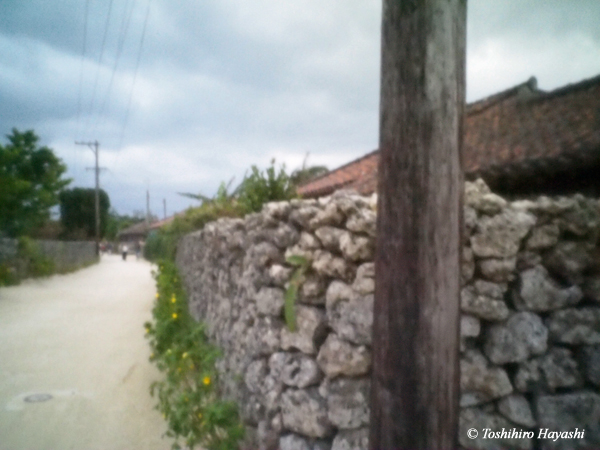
94	146
415	378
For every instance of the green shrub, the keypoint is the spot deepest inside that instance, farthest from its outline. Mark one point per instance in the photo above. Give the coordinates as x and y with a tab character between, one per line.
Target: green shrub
30	262
8	276
188	394
263	187
159	245
254	191
291	293
38	265
163	243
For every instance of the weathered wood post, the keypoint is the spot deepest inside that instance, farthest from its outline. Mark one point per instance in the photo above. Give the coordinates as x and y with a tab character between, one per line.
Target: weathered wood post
415	381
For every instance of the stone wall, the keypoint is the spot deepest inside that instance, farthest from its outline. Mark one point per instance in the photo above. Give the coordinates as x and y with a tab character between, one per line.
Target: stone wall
69	255
8	249
530	326
66	255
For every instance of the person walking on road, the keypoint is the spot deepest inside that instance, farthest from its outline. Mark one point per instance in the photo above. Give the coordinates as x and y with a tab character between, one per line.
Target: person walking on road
124	251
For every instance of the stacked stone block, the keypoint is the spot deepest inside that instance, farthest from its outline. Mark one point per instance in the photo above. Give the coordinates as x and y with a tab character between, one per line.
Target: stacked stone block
530	325
65	255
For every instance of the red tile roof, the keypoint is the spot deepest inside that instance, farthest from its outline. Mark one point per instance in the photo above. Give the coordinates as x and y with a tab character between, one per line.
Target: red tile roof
140	228
161	223
519	128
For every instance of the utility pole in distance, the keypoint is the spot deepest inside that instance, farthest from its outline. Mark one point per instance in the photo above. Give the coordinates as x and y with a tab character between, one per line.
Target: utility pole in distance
94	146
415	377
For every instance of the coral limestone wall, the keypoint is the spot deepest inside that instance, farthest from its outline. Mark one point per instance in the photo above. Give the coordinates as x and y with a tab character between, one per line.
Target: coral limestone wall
530	326
64	255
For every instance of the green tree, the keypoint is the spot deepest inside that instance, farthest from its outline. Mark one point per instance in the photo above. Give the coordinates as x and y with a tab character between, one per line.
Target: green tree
78	211
30	180
307	173
304	175
118	222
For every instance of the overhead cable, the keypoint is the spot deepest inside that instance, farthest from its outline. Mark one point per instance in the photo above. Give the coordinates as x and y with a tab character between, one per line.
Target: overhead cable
137	64
120	44
99	63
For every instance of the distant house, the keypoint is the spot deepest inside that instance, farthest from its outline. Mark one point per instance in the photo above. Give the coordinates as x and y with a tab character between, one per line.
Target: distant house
141	230
161	223
521	141
134	233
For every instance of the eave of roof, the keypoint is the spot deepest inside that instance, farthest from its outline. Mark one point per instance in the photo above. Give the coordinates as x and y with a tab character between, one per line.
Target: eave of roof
511	128
138	228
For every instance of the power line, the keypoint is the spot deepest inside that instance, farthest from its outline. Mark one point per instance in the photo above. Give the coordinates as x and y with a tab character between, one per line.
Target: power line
99	62
120	44
95	117
137	64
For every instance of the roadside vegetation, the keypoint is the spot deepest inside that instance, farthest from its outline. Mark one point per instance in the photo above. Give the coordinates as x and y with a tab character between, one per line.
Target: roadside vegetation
254	191
188	395
28	262
31	177
31	182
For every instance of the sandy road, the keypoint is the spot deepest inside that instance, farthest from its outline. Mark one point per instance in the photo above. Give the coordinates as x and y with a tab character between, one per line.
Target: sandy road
80	339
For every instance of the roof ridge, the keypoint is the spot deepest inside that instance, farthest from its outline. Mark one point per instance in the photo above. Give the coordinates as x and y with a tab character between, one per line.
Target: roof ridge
354	161
487	102
508	129
571	87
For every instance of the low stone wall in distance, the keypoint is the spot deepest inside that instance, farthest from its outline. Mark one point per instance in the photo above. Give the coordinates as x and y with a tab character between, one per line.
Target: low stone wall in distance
65	255
69	255
530	325
8	249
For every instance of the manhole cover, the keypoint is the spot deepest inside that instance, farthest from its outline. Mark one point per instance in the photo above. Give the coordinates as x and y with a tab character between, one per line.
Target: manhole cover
37	398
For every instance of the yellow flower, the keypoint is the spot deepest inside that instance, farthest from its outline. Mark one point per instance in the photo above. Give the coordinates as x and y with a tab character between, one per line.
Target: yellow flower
199	415
157	295
173	299
185	355
206	380
174	315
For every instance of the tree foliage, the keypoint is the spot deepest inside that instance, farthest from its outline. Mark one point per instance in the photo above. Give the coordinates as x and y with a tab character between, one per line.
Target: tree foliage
30	180
256	189
78	211
162	244
306	173
261	187
118	222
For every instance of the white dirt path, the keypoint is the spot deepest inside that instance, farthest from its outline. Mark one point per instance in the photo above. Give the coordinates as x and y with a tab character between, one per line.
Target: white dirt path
79	338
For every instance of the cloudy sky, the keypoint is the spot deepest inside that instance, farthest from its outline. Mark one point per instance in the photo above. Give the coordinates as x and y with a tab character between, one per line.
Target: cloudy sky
183	95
